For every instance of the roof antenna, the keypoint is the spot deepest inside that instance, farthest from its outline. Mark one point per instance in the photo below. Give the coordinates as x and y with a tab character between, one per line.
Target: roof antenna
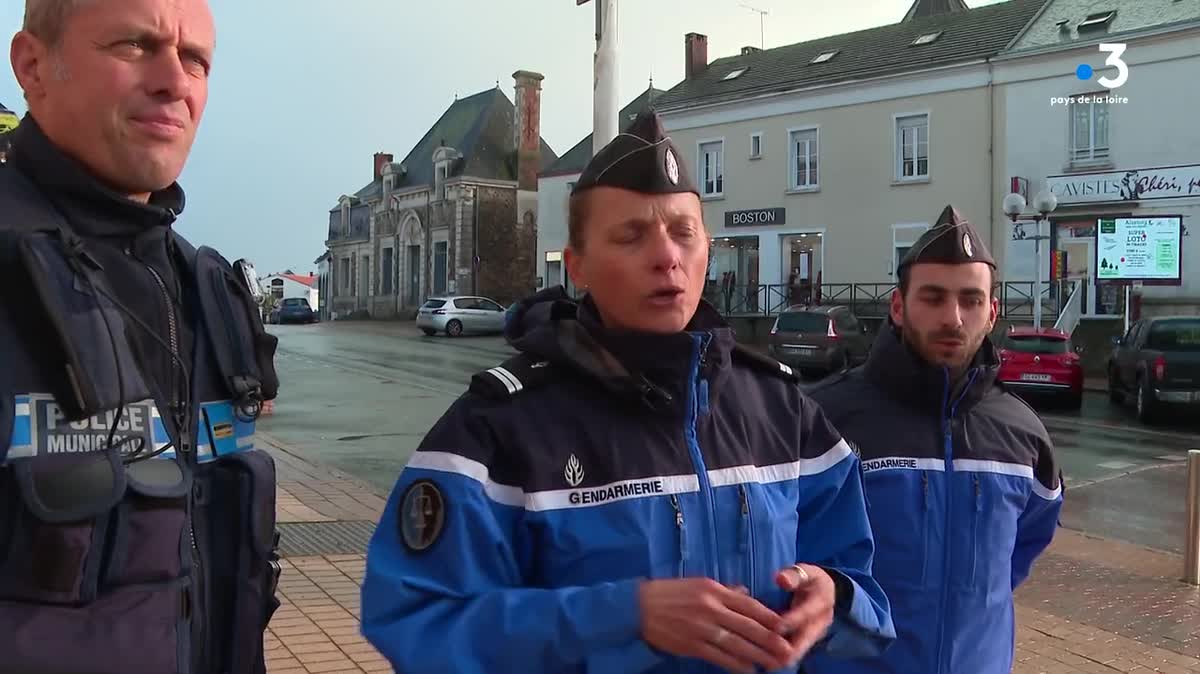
762	43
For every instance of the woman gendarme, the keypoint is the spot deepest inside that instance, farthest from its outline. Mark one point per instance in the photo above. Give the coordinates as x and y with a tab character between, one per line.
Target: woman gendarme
633	492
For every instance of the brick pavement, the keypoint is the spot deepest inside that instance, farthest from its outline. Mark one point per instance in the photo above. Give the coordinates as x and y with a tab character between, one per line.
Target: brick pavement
1091	606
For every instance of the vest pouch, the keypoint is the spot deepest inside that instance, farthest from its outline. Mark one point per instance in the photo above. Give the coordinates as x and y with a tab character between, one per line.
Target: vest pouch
68	307
238	515
243	349
135	629
100	594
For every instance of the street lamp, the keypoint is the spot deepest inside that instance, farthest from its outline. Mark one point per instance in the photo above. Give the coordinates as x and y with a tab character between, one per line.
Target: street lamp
1044	203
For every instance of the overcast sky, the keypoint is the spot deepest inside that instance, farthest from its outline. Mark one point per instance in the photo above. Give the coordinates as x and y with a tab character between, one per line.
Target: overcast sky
303	92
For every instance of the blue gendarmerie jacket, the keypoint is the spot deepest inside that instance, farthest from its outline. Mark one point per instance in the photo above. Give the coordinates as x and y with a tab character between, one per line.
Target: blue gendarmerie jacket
517	534
963	494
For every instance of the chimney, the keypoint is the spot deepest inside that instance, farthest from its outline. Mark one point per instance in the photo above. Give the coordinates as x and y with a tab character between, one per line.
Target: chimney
750	50
527	128
381	158
695	55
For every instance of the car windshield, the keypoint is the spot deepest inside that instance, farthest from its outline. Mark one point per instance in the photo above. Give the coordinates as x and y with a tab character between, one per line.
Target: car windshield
434	304
1038	344
296	302
803	321
1174	335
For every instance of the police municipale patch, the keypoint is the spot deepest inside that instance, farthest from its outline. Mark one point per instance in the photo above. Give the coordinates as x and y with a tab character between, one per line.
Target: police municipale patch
422	515
967	245
672	167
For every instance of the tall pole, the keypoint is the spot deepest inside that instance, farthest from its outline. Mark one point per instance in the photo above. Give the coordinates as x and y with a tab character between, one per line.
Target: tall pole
604	98
1191	543
1037	277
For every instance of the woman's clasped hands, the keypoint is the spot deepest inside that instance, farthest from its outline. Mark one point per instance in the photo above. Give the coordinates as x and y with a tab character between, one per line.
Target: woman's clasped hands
725	626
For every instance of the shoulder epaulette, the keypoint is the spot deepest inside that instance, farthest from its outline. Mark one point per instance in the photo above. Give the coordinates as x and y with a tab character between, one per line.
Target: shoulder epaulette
519	373
764	363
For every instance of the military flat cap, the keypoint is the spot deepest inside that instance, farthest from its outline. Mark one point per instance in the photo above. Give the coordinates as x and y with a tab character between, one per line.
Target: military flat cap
642	159
951	240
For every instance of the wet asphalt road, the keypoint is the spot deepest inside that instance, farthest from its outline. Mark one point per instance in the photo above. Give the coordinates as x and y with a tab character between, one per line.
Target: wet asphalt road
360	396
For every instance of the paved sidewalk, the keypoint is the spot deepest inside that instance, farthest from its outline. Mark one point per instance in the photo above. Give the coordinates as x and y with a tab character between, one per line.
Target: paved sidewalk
1091	606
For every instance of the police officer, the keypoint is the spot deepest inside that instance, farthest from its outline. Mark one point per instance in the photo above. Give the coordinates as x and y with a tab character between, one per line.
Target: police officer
963	488
136	519
633	492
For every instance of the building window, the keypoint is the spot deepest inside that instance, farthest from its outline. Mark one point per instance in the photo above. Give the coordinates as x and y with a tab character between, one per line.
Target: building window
439	267
347	277
755	145
912	147
804	160
712	169
1089	131
385	271
441	181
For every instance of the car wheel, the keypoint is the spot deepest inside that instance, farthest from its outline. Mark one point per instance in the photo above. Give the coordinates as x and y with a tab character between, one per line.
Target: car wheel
1114	387
429	332
454	328
1144	402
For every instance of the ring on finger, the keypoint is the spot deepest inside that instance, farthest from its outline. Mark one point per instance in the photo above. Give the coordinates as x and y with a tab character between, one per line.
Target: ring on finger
804	577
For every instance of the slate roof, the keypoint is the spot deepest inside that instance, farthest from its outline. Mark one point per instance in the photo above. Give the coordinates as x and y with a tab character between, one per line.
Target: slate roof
480	127
966	35
575	159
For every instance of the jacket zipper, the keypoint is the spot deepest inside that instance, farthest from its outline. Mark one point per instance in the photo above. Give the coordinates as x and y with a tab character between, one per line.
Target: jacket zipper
747	541
975	529
679	525
180	418
691	434
948	450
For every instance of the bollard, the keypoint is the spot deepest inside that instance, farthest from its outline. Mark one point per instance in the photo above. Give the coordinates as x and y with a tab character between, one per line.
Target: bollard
1191	550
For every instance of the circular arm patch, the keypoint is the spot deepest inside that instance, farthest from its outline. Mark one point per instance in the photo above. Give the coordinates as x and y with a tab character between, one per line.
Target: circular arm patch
422	515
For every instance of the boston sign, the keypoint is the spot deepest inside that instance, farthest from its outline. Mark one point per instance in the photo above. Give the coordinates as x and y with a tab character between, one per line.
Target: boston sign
757	216
1130	185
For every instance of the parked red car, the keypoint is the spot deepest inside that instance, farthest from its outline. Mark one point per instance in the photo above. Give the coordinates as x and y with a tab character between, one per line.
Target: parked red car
1041	362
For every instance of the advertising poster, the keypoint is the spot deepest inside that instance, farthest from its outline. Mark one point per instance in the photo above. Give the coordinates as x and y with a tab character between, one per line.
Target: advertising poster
1139	249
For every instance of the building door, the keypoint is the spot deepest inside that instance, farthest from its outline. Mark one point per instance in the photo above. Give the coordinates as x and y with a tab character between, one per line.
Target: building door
553	274
364	281
1080	253
385	272
414	276
439	267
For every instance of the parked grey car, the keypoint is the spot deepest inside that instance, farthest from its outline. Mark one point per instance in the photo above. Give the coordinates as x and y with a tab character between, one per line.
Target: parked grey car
460	315
819	339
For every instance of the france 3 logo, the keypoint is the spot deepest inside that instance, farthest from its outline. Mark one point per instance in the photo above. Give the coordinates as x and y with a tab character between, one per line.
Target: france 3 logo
1114	50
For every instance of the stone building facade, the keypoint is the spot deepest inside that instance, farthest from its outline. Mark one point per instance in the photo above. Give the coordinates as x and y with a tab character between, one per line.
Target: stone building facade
447	219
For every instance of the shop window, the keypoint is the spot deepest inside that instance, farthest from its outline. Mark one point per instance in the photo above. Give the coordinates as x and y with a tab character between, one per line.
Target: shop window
733	283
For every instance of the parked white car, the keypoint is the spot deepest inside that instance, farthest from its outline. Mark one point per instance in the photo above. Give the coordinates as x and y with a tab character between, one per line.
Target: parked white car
459	315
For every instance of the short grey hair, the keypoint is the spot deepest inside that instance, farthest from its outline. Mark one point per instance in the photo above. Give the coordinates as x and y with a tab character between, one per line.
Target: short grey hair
47	19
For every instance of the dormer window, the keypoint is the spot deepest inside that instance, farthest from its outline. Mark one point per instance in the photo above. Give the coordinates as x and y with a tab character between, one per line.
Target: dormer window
1097	21
927	38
